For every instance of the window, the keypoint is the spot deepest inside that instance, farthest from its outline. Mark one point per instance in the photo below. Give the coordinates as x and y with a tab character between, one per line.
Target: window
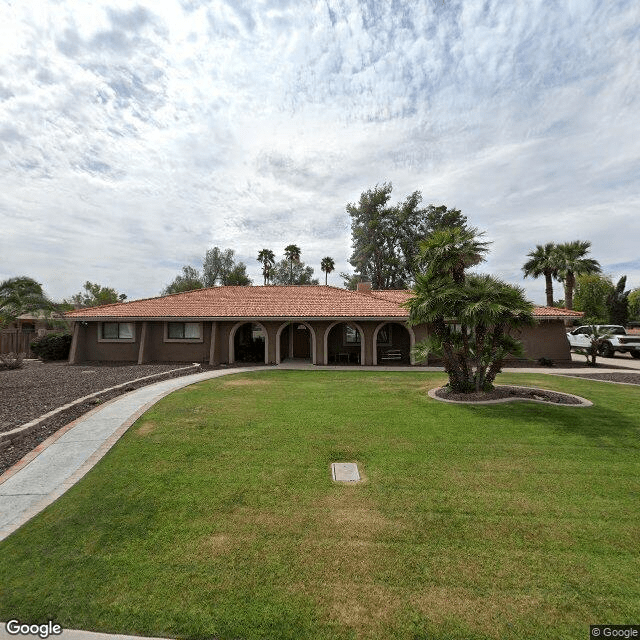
183	332
351	335
116	331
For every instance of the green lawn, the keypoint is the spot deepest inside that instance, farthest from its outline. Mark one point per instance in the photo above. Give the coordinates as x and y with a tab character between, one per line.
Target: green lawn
215	516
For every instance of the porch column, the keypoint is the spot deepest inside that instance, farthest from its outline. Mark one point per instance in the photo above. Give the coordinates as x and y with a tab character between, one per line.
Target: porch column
291	340
143	343
213	360
73	352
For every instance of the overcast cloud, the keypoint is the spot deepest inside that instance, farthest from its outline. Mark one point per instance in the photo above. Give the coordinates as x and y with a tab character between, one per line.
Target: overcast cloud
135	137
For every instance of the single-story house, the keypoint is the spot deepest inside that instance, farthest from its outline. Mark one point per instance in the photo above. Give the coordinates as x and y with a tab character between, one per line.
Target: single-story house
226	325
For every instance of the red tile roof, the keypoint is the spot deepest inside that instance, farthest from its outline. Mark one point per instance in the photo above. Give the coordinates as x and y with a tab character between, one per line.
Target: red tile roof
556	312
303	301
311	301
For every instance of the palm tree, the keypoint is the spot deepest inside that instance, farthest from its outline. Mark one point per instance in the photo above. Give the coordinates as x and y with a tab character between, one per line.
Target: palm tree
543	262
469	317
268	259
571	262
292	254
451	250
22	295
327	265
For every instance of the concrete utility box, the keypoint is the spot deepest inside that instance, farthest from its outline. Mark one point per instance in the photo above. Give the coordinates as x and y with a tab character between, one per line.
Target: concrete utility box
345	472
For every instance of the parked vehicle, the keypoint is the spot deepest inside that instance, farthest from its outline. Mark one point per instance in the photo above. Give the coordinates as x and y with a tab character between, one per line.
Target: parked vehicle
617	340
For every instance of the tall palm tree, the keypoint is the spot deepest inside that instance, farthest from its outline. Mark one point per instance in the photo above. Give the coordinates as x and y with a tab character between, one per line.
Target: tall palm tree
543	262
268	259
327	265
292	254
572	261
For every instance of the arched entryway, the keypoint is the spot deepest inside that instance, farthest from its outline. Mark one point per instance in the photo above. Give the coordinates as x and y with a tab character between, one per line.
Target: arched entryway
248	342
393	343
296	340
344	343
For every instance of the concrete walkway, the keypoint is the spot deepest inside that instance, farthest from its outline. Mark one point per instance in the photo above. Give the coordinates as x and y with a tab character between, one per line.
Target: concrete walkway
60	461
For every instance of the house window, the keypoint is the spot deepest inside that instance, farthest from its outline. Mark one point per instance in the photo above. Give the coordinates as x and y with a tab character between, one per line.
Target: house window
116	330
183	332
351	335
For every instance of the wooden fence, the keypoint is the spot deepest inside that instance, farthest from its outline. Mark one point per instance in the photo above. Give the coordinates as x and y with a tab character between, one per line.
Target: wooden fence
17	341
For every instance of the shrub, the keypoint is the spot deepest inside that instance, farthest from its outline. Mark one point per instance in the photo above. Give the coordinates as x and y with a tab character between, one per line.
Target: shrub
54	346
11	360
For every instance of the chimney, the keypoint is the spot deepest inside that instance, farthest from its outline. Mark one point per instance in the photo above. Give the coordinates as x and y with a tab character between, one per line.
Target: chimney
364	287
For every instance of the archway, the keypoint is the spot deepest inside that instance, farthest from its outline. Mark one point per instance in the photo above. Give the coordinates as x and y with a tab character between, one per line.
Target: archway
248	342
344	343
296	340
393	343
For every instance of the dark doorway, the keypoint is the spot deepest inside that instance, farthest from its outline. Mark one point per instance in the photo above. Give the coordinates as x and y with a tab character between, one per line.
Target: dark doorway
249	343
301	341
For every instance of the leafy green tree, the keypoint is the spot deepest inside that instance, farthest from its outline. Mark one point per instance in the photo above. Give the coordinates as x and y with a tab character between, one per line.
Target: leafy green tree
267	258
385	237
238	276
284	273
572	261
327	265
634	305
95	295
292	254
350	280
220	268
23	295
469	317
591	294
189	280
618	303
543	262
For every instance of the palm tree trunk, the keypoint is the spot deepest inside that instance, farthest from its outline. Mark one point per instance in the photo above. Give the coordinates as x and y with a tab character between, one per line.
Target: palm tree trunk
549	288
569	284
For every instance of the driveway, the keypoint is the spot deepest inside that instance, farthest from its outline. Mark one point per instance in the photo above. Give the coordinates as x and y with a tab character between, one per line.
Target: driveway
618	360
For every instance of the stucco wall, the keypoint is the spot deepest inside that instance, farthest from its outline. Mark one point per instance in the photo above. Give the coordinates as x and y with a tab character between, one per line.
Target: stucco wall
547	339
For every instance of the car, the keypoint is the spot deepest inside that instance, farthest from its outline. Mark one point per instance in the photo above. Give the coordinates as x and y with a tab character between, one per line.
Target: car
615	339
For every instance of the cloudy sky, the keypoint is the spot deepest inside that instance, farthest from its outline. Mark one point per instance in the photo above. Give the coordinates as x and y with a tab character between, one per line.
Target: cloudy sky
133	137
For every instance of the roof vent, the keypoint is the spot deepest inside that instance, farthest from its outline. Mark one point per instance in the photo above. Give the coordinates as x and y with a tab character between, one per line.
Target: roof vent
364	287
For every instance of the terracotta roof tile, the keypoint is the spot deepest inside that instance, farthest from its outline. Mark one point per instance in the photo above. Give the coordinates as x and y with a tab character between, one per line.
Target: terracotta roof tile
303	301
313	301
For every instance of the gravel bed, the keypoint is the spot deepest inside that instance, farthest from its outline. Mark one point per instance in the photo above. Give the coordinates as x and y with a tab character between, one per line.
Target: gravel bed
629	378
505	391
37	388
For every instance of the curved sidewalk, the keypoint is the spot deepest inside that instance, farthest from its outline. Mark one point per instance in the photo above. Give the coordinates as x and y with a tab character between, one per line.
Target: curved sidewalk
59	462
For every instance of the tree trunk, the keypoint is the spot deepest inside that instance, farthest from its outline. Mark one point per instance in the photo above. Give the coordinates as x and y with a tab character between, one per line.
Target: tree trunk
549	288
569	284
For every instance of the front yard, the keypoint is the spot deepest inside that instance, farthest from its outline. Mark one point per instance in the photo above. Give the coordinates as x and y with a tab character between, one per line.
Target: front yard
216	516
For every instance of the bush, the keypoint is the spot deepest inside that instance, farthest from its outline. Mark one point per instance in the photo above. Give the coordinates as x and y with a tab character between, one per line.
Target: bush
54	346
11	360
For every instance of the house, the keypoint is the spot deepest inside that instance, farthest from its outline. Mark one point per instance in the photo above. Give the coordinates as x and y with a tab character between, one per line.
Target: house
268	324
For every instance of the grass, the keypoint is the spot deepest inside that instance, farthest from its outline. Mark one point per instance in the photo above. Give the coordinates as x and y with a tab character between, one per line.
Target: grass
215	516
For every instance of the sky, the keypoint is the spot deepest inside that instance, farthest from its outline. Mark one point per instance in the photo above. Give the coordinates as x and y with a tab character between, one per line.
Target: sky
135	136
